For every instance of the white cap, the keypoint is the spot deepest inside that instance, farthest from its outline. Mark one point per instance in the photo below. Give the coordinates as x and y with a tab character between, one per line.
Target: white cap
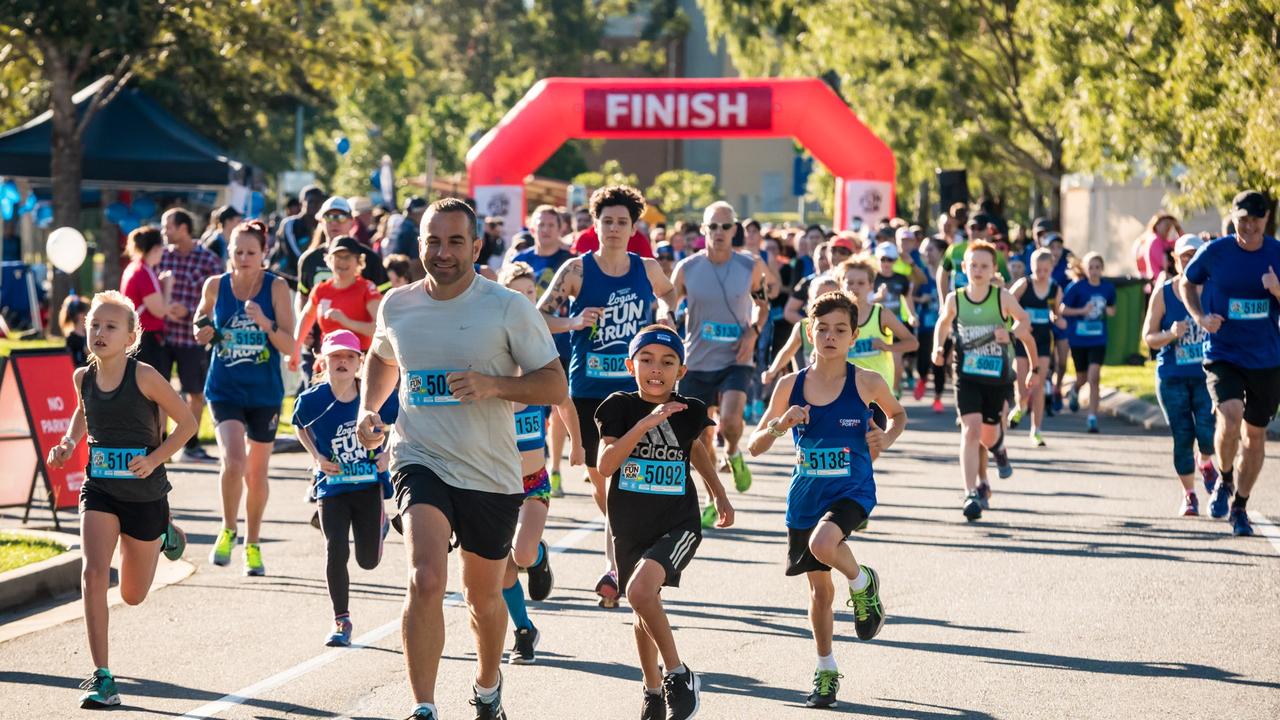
1190	241
887	250
335	202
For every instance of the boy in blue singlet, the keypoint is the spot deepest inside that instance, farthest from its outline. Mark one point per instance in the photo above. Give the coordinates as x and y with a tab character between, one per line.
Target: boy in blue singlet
833	489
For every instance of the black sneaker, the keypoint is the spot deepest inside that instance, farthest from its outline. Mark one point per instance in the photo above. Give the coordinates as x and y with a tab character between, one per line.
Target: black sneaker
984	495
489	710
523	650
868	611
972	507
195	454
541	579
1003	467
397	523
681	691
825	685
654	707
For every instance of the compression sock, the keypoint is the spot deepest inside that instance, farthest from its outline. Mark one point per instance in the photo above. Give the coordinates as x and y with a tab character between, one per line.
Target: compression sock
514	597
1240	502
1228	477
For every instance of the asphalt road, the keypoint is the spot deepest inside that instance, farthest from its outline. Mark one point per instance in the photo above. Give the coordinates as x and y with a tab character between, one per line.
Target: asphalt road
1080	594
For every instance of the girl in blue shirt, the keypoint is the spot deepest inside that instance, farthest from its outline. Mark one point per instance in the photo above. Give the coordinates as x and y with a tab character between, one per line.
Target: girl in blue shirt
1086	305
350	481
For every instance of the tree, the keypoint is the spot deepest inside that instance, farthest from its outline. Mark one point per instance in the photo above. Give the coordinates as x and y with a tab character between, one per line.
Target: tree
682	192
610	173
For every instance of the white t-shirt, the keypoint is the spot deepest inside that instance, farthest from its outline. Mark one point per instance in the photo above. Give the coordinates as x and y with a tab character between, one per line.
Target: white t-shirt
488	329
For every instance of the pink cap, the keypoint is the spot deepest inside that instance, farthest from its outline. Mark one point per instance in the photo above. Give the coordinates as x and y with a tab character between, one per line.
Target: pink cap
340	340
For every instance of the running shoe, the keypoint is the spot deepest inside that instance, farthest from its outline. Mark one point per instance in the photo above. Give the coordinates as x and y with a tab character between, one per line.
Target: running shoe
174	543
386	528
654	707
984	495
607	589
1240	524
253	566
523	650
682	693
937	406
1073	400
195	454
1209	474
868	611
1056	405
918	393
492	709
1190	505
862	525
825	685
1221	503
100	691
709	516
972	507
556	490
341	635
1037	438
221	552
1092	425
1015	417
422	714
1002	463
541	579
397	523
741	473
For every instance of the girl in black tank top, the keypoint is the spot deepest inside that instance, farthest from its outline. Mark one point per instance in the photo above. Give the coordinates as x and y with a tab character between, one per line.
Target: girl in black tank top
123	500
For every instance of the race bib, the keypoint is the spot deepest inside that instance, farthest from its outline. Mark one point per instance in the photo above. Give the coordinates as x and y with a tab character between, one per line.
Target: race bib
822	462
1039	316
1248	309
245	340
429	387
606	367
354	473
863	348
1090	328
721	332
108	463
1189	354
529	426
652	477
983	365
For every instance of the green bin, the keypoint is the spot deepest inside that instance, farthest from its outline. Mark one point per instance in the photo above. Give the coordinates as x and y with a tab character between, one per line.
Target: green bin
1124	331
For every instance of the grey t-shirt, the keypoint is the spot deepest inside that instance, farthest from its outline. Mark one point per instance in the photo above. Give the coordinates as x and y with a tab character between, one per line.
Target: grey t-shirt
719	308
488	329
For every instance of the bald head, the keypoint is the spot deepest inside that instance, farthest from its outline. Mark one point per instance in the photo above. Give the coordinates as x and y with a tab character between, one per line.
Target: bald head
719	212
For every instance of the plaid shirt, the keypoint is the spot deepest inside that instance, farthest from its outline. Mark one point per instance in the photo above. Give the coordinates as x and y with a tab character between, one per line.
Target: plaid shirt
189	273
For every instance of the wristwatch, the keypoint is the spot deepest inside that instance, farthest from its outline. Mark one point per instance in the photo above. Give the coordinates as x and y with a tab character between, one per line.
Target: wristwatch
772	428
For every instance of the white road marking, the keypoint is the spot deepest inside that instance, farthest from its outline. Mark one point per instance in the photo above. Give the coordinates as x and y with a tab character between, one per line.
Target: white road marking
1269	529
208	710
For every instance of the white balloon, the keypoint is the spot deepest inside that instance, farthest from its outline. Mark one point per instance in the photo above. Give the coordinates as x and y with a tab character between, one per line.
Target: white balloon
66	249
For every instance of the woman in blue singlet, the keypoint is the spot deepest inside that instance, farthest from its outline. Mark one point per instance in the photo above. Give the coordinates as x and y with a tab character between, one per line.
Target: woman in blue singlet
826	408
246	317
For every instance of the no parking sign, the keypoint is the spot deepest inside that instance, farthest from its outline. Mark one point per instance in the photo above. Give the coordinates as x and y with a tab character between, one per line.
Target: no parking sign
37	401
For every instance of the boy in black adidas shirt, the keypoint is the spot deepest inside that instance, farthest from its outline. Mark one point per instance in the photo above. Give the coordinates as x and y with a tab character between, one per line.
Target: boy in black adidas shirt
648	440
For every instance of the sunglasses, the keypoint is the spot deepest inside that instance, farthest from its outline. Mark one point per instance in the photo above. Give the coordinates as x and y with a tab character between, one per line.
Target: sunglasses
336	217
720	226
495	224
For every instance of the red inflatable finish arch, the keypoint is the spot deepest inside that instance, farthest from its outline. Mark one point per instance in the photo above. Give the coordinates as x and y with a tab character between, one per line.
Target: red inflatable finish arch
557	109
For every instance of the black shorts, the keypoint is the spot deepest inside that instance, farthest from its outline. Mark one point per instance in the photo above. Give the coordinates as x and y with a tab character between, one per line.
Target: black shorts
260	423
1043	343
143	521
988	400
587	427
706	385
1259	388
672	551
483	523
192	362
151	349
1084	357
846	514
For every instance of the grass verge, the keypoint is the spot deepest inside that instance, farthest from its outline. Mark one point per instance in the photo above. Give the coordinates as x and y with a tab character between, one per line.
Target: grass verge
18	550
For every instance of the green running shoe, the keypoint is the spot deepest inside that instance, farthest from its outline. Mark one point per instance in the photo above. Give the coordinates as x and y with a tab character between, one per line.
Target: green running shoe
101	691
1037	438
1015	417
253	566
862	525
741	473
556	490
221	552
868	611
709	516
825	685
174	542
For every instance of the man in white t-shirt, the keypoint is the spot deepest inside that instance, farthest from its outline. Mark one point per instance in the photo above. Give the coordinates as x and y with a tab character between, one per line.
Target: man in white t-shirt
462	349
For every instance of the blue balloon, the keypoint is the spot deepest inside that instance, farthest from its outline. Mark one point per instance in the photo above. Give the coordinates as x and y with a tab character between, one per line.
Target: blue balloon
9	190
257	203
343	145
128	224
375	179
116	210
29	205
144	208
6	207
44	214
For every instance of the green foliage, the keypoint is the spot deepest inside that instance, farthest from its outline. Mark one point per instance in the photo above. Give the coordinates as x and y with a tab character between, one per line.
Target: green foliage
682	192
610	173
17	550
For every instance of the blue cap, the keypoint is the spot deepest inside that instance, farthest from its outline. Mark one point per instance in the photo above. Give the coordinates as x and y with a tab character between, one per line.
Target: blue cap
657	337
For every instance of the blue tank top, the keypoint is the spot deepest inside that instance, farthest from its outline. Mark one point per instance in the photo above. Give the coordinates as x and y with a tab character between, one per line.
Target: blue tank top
597	367
1184	356
832	460
531	428
245	367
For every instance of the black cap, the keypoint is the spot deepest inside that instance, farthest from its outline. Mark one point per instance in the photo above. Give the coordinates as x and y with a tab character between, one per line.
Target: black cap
414	203
1042	223
346	242
1251	203
308	189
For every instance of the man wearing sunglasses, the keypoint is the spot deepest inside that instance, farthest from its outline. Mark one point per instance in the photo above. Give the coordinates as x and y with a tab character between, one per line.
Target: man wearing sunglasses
725	291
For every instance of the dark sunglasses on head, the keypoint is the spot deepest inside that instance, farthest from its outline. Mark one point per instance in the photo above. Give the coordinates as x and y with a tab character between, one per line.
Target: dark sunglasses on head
336	217
721	226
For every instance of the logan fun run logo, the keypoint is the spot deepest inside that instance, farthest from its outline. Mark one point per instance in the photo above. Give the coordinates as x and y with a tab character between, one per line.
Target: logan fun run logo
666	109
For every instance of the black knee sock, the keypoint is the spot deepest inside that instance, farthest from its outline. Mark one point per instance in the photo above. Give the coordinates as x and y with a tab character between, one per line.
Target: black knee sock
1240	502
998	445
1228	476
